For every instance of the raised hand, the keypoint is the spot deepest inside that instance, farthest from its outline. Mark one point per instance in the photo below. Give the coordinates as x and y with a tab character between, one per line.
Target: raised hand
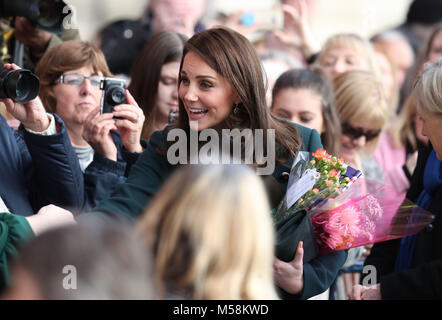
131	124
96	131
32	114
297	30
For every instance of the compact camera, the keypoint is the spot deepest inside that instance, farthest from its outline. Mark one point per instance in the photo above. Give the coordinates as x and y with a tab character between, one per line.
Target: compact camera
114	94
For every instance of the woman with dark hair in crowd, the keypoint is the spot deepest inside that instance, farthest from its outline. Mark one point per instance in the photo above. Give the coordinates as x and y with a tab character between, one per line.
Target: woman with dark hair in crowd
221	87
304	97
154	79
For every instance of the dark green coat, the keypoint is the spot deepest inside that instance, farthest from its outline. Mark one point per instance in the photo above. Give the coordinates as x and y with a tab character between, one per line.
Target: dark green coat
151	171
14	230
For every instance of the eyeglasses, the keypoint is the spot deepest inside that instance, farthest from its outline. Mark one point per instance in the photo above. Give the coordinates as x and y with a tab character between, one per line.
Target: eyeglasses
75	79
356	133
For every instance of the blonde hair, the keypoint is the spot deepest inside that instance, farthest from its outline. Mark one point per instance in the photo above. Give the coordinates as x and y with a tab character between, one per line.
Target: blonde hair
355	43
428	88
360	96
402	127
211	234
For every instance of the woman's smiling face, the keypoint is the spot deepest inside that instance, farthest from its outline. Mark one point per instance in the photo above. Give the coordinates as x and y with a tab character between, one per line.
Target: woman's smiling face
207	96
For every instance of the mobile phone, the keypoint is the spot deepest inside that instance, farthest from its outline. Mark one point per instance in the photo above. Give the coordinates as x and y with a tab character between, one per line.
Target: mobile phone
267	20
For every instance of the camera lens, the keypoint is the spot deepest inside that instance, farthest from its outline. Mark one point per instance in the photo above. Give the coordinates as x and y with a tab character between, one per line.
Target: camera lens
118	95
18	85
47	14
52	14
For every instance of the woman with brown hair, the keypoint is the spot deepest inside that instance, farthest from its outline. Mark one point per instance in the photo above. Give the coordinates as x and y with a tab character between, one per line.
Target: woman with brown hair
303	96
70	76
154	79
221	90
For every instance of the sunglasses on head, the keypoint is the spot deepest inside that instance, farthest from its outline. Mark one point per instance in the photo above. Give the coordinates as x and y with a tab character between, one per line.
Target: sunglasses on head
356	133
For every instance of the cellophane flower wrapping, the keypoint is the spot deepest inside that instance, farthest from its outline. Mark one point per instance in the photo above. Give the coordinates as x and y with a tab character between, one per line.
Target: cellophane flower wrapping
344	210
365	214
314	178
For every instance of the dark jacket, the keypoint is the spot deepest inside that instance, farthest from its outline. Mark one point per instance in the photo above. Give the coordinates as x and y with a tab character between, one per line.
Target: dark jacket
424	279
151	171
35	171
102	175
38	170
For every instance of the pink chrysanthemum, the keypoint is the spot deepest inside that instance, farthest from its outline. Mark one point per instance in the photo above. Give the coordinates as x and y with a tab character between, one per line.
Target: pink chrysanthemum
338	229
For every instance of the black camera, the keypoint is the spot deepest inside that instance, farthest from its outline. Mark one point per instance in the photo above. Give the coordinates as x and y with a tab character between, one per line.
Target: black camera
19	85
47	14
114	94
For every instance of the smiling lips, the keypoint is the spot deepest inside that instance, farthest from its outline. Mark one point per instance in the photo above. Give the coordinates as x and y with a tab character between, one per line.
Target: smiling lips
196	114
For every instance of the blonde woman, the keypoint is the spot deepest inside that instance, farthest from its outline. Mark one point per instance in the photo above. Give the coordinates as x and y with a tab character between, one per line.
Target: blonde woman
347	52
363	111
212	236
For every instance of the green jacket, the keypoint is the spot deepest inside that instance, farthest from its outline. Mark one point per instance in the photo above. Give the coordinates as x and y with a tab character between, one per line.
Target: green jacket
150	172
14	230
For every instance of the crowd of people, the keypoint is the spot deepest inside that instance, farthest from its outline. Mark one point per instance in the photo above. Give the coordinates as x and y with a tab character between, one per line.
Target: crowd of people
98	193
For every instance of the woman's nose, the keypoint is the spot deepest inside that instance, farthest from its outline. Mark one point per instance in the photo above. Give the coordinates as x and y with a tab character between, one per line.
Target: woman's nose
361	141
190	94
86	87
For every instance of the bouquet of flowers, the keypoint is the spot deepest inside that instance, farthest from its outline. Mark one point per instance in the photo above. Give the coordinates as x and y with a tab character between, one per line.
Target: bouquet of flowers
365	214
314	180
330	208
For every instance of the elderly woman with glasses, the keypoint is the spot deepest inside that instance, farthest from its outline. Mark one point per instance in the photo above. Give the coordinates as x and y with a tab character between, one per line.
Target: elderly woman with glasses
105	143
410	268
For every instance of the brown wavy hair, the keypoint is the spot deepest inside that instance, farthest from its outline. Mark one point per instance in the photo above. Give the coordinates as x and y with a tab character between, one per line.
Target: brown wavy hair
233	57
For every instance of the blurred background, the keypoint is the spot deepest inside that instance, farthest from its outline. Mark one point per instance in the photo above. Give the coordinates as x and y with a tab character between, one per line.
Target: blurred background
364	17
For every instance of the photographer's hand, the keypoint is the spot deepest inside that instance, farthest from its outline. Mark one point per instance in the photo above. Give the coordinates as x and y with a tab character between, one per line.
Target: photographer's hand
31	36
131	124
32	114
96	131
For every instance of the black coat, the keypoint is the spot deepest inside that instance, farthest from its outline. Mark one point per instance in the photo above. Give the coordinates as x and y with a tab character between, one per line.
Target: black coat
424	279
